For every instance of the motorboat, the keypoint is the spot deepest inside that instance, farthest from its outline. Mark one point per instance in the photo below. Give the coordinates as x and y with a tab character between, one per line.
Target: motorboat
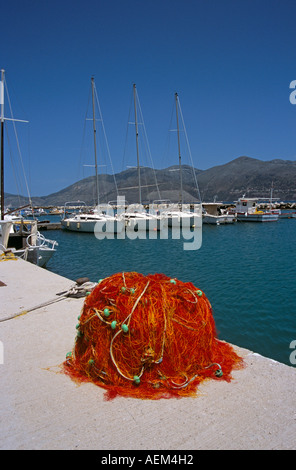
214	214
247	210
55	211
34	212
212	219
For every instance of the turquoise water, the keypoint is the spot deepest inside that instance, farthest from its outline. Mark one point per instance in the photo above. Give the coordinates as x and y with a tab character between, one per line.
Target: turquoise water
247	271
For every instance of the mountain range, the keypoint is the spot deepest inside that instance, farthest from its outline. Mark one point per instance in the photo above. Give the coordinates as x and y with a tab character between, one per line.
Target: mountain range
228	182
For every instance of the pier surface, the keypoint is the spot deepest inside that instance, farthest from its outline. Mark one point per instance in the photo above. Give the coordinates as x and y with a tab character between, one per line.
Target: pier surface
42	408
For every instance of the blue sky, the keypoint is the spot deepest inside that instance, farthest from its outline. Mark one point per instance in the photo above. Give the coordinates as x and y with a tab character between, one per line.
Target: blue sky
231	63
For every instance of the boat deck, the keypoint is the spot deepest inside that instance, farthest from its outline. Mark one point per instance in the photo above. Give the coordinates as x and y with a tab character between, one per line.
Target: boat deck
43	409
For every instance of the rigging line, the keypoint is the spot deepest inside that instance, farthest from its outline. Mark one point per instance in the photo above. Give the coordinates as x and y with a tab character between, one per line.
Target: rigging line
189	150
29	156
166	152
126	135
147	144
17	180
18	145
105	136
80	165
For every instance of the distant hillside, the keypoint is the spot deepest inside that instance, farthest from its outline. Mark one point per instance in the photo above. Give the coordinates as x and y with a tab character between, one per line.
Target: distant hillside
249	176
244	175
155	184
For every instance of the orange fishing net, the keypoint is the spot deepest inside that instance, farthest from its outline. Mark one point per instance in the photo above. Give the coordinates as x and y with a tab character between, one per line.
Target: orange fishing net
148	337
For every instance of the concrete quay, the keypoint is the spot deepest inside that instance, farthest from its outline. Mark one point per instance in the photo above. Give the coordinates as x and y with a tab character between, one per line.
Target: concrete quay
42	409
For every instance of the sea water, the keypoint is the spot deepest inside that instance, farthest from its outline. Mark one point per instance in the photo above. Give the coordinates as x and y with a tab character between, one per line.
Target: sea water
247	271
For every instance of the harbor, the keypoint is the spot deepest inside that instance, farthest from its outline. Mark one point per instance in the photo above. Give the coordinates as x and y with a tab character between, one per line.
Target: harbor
44	409
46	222
148	230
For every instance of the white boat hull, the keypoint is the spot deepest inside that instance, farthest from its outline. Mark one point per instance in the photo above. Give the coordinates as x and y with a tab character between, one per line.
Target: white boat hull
230	219
213	219
148	224
179	219
92	226
36	255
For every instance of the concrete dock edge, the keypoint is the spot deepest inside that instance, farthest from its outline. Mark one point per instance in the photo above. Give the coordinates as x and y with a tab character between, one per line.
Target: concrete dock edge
43	409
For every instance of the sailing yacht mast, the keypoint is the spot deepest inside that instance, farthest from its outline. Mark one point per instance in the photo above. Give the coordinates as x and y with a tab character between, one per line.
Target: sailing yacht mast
95	138
137	144
2	142
2	119
179	150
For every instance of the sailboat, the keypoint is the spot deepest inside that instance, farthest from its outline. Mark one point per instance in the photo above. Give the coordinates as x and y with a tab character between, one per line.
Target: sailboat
19	237
177	215
136	218
95	220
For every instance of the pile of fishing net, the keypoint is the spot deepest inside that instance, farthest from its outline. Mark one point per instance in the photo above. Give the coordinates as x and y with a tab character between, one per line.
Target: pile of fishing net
148	337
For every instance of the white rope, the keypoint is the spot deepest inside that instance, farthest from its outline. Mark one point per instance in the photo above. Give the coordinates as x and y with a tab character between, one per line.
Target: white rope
71	292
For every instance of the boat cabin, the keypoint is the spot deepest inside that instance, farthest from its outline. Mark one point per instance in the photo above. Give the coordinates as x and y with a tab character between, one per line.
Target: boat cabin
246	205
213	208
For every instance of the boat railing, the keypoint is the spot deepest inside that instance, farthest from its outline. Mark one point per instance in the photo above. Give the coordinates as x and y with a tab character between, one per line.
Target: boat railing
38	239
74	205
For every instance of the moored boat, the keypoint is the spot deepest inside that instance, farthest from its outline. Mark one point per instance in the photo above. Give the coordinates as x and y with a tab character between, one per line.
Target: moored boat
246	210
95	220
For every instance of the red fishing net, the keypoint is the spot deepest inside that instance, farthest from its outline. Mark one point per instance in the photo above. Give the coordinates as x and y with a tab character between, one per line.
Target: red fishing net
148	337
